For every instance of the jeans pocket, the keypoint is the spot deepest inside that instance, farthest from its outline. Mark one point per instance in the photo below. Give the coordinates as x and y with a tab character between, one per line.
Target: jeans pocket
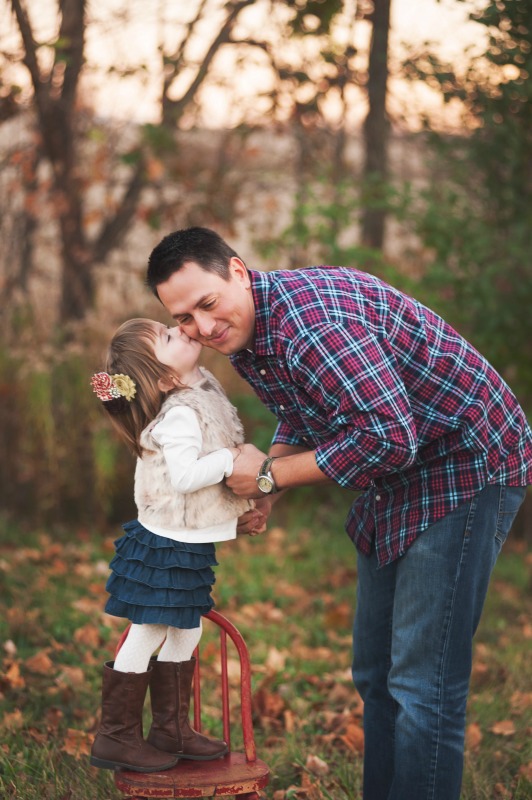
510	500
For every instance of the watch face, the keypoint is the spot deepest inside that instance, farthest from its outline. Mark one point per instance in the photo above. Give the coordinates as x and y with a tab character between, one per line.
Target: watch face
265	484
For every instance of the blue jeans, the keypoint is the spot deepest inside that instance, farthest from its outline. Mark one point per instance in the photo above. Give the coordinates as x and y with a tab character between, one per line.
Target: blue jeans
413	633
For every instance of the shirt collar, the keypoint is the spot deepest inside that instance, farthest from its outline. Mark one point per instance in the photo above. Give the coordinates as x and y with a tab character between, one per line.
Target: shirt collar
264	342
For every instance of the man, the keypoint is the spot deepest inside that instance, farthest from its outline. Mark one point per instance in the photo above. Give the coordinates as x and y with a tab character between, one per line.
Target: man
376	392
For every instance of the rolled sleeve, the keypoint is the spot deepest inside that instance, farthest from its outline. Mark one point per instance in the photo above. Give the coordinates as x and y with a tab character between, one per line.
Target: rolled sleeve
352	376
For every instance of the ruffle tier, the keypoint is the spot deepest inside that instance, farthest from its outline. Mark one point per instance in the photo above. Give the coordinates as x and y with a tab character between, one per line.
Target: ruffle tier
160	581
176	617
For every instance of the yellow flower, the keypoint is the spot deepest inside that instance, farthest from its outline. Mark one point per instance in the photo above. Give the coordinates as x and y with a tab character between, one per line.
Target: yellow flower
125	385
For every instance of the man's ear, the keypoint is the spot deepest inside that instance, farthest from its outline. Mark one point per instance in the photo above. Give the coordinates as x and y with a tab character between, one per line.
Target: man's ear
239	271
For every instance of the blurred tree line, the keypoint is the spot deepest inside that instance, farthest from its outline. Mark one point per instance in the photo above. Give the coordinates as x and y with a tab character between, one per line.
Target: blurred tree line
471	218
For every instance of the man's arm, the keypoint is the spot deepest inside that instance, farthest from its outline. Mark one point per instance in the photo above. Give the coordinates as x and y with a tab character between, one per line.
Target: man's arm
293	466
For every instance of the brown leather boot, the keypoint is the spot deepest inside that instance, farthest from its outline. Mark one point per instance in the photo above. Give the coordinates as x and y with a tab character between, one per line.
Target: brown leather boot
170	688
119	743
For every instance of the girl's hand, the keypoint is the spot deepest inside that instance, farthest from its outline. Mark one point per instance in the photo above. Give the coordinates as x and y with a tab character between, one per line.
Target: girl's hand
254	521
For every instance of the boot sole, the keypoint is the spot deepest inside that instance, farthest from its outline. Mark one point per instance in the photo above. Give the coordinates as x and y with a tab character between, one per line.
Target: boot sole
116	765
182	757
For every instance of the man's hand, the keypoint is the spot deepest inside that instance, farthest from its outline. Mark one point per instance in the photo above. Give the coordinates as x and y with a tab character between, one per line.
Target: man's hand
254	521
245	468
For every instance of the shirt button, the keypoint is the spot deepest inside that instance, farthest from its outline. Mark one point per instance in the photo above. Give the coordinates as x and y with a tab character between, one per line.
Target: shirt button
377	497
263	372
281	407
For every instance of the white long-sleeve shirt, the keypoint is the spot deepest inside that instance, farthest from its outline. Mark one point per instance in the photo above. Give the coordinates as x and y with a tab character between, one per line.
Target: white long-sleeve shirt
179	435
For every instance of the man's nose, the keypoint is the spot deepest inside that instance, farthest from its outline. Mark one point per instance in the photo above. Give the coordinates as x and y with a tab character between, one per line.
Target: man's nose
205	324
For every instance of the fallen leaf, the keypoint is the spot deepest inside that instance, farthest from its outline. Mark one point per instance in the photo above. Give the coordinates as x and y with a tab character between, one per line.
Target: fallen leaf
501	792
12	678
21	618
310	789
40	663
316	765
503	728
87	606
354	738
290	721
313	654
341	694
233	669
77	743
481	650
70	676
88	634
58	567
507	591
479	672
520	701
13	721
38	736
266	611
268	704
339	616
276	659
53	719
10	648
473	736
294	792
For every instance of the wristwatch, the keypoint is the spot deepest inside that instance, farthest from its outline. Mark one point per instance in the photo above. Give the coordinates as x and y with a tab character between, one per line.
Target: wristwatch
264	479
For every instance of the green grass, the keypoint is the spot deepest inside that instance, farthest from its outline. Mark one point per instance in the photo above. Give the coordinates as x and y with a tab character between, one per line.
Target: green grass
291	594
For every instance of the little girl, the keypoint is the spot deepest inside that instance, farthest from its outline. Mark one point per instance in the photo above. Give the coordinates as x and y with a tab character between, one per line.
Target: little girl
176	418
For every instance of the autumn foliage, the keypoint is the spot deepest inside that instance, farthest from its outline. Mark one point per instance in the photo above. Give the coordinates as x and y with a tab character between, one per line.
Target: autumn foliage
293	602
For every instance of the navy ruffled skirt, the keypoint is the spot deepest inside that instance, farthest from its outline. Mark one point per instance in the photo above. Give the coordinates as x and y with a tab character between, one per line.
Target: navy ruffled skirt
159	580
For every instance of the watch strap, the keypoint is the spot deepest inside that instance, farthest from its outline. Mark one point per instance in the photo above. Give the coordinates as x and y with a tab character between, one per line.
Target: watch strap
266	464
266	470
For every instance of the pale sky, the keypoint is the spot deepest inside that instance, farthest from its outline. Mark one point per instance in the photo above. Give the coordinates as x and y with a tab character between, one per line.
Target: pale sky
413	22
133	41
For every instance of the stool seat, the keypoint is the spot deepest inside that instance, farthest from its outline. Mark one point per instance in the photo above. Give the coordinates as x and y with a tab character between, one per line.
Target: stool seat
229	775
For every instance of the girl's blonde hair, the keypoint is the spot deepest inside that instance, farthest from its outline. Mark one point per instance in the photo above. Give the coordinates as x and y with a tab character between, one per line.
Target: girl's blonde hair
131	352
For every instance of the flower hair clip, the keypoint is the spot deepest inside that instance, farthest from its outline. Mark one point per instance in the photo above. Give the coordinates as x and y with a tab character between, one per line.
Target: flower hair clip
114	387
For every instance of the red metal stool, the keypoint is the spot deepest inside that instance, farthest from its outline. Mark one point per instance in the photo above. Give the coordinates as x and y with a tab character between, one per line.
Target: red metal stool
236	774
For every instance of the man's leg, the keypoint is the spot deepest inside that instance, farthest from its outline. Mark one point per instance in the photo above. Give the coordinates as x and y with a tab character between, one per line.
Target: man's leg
372	642
440	587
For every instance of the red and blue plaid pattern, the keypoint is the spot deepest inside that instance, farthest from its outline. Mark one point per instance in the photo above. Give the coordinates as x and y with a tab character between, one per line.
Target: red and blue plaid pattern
395	403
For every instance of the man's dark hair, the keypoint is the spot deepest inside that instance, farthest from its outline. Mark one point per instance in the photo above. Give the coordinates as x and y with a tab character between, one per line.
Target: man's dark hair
201	245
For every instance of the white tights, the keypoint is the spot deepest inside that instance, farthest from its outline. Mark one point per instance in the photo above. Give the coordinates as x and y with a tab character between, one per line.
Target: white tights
143	640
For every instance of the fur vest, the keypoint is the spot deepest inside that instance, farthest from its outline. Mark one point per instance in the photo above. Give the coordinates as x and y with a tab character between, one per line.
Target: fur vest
158	502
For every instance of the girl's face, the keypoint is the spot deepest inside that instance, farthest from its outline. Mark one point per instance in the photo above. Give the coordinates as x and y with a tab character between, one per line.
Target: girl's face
176	350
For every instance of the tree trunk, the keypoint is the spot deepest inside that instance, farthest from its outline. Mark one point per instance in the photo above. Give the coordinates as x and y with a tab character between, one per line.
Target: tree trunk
376	130
55	93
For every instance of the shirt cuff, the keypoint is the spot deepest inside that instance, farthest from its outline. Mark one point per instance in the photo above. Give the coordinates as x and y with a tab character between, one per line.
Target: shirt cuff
228	470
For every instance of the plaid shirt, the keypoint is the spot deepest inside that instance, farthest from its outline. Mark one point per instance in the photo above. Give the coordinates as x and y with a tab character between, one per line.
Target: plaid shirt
395	404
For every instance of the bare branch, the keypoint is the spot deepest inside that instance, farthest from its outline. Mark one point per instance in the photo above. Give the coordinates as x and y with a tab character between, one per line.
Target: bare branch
173	109
177	59
70	48
117	227
30	46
